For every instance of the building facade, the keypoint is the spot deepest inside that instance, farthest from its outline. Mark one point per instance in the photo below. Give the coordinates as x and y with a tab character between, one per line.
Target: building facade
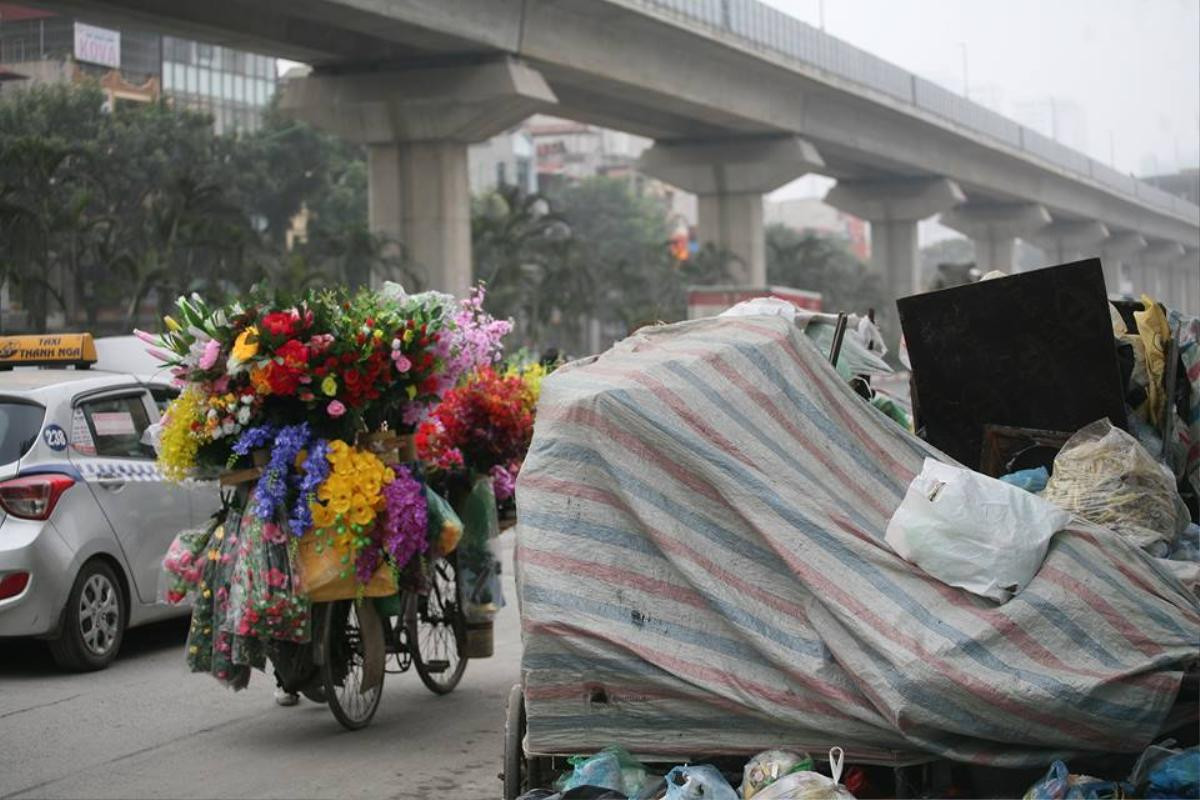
133	65
504	160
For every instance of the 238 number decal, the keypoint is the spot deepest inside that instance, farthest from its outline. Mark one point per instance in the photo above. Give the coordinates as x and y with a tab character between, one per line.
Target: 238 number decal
56	437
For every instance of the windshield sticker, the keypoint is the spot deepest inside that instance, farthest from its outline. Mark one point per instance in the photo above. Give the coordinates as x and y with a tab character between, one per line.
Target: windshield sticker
113	423
55	437
81	435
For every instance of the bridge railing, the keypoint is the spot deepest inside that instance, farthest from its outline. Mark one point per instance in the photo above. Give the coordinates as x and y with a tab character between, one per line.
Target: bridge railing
761	27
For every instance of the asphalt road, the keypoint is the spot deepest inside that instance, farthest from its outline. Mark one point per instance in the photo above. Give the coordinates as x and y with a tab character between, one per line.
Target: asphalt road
147	728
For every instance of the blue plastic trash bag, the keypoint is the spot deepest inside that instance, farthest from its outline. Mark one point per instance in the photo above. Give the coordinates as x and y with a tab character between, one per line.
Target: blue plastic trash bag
1059	784
1031	480
703	782
612	768
1177	776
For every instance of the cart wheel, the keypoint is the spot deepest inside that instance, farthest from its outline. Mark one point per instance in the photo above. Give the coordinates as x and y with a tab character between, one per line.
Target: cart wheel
436	630
516	768
352	667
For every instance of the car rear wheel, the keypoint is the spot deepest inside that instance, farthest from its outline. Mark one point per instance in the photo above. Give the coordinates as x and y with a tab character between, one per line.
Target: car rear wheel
94	621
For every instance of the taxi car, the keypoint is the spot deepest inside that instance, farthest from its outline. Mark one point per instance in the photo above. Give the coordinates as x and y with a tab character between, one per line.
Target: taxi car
85	515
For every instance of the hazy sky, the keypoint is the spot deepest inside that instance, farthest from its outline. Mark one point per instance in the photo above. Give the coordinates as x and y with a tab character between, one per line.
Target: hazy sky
1124	74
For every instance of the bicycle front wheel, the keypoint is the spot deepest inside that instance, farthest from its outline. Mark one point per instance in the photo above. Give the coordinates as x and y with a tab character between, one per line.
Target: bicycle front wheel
353	661
437	630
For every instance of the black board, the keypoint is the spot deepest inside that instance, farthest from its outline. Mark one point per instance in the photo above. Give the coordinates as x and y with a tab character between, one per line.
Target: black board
1032	350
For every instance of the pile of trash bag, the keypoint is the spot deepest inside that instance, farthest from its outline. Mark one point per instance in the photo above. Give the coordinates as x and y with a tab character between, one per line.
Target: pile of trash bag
1161	772
614	774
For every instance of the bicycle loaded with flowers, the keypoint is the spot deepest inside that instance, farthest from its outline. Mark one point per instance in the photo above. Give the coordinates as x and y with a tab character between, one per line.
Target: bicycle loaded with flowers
306	407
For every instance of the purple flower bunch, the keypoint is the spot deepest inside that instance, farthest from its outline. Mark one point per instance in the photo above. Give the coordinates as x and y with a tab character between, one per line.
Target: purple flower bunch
253	439
271	495
406	517
504	480
315	471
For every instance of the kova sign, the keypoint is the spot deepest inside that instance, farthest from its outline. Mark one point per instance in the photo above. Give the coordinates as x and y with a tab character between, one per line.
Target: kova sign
97	45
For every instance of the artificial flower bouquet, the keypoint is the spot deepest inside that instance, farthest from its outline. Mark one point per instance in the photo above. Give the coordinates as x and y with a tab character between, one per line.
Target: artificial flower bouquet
483	427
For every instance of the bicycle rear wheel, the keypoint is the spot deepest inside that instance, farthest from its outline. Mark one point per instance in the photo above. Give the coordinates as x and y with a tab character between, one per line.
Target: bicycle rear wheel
353	661
436	630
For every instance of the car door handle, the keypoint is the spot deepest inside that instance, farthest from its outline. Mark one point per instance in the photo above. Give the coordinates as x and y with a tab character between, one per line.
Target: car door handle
113	486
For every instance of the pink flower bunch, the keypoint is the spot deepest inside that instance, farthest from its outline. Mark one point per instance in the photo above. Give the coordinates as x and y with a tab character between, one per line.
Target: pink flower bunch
476	339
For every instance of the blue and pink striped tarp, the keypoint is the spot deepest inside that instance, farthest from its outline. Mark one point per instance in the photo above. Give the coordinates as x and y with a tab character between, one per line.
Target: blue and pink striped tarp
701	569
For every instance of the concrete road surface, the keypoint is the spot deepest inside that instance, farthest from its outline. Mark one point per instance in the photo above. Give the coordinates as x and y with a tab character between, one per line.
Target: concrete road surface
147	728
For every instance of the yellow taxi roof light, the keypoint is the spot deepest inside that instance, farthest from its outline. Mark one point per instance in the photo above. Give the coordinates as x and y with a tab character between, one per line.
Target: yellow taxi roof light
47	349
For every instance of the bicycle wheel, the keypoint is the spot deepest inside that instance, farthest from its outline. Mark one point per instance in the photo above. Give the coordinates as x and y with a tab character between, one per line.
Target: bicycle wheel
352	666
437	631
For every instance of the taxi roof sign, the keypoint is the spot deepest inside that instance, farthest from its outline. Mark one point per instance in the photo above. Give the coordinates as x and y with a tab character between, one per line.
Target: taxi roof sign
48	350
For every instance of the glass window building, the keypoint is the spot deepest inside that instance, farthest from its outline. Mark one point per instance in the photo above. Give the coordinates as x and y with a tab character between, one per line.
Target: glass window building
233	86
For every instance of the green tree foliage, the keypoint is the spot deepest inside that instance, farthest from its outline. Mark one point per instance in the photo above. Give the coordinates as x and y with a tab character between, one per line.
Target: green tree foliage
108	210
823	264
592	256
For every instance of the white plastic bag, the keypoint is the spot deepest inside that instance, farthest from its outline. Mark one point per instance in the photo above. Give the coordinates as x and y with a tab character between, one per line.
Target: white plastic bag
972	531
810	785
703	782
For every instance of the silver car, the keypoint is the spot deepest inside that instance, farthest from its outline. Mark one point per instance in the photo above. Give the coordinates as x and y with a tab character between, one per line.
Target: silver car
85	515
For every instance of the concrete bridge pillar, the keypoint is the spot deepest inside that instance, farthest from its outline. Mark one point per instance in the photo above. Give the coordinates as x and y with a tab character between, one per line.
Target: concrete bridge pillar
1187	281
995	228
729	178
1069	241
894	207
1159	259
1117	251
416	124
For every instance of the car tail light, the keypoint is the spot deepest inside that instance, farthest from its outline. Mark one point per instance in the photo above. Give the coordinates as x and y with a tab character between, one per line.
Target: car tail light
33	496
13	584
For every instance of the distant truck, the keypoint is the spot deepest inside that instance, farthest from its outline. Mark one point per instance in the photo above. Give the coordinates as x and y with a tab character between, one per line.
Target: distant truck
708	301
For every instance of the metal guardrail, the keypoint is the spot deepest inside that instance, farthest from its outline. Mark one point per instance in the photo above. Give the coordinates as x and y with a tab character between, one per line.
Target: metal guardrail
763	28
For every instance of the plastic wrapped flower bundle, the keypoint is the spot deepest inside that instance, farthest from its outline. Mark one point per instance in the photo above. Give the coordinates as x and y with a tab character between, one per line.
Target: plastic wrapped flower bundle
288	398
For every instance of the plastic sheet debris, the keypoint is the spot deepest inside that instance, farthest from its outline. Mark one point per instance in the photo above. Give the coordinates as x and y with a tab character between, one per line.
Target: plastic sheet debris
972	531
1059	784
809	785
1187	544
1031	480
1104	475
702	782
768	767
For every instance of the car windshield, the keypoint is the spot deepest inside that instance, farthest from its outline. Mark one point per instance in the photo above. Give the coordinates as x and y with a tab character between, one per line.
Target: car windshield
19	427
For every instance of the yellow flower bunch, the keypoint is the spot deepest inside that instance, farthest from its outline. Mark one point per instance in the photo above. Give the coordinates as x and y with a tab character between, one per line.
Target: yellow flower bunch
353	492
179	443
245	347
531	375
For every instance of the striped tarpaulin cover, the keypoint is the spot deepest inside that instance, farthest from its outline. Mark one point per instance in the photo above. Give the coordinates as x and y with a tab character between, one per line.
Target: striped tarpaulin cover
701	569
